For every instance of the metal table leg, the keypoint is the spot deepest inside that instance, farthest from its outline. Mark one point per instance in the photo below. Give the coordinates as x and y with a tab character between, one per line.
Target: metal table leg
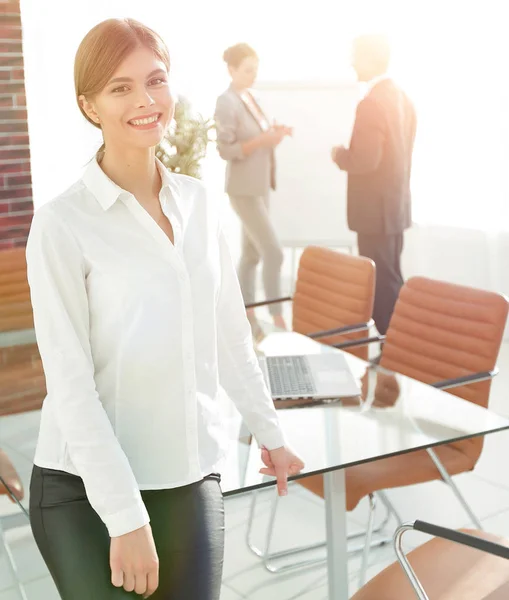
337	548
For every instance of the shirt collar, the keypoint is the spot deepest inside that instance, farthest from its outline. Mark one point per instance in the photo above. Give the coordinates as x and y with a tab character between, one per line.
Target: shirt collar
375	81
106	192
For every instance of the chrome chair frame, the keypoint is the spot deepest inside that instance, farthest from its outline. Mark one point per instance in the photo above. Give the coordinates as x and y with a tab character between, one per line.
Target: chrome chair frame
457	537
12	522
270	559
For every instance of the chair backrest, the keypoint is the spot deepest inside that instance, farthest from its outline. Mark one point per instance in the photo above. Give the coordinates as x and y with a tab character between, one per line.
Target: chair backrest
442	331
333	289
15	306
22	383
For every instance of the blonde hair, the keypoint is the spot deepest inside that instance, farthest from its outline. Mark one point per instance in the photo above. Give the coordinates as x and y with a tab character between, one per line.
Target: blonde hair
234	55
104	48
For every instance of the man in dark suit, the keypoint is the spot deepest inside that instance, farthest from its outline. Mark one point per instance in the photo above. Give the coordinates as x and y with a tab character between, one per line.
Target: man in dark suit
378	163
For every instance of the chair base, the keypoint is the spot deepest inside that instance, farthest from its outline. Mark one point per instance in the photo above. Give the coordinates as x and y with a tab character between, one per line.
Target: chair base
11	522
310	563
270	559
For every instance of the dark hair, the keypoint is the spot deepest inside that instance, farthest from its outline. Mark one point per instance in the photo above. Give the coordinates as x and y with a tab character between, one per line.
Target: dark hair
104	48
234	55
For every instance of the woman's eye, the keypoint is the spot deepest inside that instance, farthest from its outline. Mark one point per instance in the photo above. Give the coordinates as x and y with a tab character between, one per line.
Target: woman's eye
157	81
122	88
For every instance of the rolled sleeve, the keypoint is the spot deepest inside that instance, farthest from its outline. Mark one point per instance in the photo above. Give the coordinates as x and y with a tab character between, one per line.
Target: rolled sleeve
239	372
228	146
57	278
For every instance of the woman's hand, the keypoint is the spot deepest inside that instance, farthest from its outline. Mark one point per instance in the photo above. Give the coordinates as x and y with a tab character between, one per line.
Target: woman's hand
134	562
272	138
281	463
387	390
268	139
284	129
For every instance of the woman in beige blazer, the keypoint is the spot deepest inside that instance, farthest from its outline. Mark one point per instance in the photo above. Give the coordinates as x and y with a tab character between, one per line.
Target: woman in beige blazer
246	139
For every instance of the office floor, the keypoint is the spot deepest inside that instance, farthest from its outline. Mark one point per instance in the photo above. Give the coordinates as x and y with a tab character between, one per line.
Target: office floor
300	519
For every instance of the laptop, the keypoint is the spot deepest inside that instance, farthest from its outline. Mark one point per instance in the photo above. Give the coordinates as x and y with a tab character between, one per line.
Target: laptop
324	376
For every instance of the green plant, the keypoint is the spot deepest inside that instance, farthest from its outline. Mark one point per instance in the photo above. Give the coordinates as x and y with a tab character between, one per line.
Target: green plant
185	143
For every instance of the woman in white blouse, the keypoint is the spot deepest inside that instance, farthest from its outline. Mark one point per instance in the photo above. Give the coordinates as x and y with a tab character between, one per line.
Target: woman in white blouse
139	319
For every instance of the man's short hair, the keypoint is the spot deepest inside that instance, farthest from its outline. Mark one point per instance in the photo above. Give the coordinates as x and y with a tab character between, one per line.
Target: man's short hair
375	47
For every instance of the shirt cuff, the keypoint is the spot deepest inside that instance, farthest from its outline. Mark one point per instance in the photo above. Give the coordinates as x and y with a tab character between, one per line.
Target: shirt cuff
127	520
271	439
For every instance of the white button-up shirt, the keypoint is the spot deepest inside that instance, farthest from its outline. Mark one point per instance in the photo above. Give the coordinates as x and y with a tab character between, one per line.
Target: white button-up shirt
136	336
374	82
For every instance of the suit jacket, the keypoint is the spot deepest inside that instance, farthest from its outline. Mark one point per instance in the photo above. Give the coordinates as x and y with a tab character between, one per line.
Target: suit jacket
379	162
251	175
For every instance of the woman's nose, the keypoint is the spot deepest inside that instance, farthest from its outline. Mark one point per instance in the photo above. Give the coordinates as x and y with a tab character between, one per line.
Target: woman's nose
144	99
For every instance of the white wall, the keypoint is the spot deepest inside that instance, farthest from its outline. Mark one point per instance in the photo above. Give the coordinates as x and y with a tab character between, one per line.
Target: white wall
458	78
463	256
310	200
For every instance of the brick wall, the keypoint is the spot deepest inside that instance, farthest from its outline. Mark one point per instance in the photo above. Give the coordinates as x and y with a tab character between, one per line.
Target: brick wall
16	206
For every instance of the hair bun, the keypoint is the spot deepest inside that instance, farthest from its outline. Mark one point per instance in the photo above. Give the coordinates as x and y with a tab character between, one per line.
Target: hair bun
234	55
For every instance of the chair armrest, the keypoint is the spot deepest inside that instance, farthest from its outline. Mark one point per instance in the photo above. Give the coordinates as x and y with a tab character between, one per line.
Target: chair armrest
354	328
267	302
465	539
445	533
360	342
446	384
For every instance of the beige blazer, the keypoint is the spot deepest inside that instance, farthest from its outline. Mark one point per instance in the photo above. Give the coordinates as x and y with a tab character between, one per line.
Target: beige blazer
252	175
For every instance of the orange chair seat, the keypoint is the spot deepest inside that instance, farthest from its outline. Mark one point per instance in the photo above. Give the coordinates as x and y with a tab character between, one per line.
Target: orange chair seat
447	571
397	471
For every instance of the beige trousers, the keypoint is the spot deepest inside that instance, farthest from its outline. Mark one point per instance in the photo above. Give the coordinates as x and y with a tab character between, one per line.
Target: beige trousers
259	242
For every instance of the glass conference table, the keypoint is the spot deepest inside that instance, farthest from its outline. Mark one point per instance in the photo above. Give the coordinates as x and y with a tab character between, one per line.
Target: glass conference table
393	415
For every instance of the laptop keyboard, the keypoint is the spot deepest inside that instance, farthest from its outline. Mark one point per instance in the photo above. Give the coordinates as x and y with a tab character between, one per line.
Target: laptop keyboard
290	376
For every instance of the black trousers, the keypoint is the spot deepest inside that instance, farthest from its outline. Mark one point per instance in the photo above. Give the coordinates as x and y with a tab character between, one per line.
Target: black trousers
187	524
385	251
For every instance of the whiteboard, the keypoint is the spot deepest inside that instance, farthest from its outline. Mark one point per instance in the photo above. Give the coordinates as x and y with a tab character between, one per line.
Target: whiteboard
309	205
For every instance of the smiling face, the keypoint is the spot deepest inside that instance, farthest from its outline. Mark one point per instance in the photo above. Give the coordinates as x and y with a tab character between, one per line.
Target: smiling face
136	106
